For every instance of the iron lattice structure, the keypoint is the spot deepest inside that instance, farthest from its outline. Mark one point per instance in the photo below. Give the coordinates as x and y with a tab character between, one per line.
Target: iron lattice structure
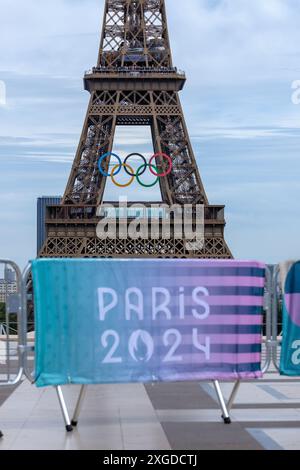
134	83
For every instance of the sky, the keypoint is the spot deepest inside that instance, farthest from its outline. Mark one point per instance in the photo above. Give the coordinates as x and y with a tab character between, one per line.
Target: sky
241	58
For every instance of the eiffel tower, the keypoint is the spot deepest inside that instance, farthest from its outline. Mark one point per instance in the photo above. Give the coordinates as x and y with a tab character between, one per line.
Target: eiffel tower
134	83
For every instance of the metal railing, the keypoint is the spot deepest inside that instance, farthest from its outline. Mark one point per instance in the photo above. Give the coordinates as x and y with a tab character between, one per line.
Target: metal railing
11	332
276	325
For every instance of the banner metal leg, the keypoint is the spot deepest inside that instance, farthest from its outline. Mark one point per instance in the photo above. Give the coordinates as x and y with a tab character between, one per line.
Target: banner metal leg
79	404
233	395
225	414
64	409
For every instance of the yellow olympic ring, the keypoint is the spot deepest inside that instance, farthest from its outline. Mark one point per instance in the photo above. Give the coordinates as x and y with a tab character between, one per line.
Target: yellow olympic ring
124	165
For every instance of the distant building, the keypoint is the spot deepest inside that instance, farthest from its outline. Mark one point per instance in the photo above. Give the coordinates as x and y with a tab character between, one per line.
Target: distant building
9	274
42	203
8	285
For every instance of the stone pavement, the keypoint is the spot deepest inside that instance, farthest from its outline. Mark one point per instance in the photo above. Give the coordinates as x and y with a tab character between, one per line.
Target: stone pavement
180	416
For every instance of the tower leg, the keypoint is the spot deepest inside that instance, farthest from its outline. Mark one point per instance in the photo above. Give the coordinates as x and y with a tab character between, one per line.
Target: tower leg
225	414
64	409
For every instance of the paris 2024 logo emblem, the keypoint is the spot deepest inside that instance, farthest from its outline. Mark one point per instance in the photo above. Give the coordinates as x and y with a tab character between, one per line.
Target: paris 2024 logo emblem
141	346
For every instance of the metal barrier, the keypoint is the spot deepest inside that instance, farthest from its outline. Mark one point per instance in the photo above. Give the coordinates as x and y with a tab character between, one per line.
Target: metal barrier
276	331
11	332
27	345
267	327
16	362
70	423
11	337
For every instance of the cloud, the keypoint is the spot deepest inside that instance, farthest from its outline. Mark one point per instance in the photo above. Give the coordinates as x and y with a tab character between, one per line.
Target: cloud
243	133
51	30
2	93
237	42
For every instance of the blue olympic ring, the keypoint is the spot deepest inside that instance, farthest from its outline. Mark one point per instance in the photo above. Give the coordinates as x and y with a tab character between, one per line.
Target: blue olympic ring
108	154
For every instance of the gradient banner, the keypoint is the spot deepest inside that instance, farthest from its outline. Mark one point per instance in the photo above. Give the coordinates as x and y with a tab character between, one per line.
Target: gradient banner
290	351
120	321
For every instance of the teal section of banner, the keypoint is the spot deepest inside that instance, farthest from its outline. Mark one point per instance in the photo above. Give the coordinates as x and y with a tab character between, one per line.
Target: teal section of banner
290	351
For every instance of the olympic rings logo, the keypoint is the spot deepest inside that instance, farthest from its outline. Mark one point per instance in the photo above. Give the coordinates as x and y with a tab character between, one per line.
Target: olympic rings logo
140	171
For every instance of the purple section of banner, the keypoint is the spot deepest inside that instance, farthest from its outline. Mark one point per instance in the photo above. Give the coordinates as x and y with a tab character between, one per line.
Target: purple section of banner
221	320
224	300
225	281
224	339
202	376
219	358
292	302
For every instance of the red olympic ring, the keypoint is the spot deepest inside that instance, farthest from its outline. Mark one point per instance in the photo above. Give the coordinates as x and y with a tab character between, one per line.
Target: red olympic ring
164	155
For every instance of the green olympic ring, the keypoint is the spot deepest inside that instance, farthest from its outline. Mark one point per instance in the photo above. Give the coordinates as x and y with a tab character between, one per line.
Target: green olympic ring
139	173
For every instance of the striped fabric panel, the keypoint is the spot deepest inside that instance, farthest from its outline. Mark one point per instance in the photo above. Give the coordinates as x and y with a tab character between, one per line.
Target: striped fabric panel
218	330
